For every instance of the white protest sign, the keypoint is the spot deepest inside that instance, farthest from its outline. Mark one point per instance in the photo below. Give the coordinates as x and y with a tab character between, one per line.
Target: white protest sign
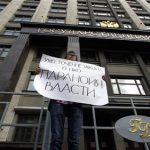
67	80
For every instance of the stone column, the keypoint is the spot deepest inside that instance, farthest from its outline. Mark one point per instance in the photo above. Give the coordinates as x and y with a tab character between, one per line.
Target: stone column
7	132
9	11
74	45
41	12
133	16
145	4
71	12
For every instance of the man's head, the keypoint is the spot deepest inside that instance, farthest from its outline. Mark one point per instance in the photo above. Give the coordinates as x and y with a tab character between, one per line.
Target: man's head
71	55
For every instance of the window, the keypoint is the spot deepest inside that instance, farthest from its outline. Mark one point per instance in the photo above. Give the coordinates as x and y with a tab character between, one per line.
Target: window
146	58
27	7
121	15
84	22
89	56
30	84
52	52
147	26
4	51
100	13
81	3
117	57
56	20
145	17
2	6
127	86
127	25
82	11
2	109
58	10
99	5
131	1
61	1
116	6
13	32
22	19
27	134
136	8
31	1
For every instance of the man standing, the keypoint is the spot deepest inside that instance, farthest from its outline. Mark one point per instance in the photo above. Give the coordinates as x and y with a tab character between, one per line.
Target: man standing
58	111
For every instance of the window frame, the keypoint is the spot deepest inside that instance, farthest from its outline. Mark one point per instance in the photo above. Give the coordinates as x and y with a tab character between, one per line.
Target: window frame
4	49
57	20
11	32
22	134
85	22
22	18
136	84
30	83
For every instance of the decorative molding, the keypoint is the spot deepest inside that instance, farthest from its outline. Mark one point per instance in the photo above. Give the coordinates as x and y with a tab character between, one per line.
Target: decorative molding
95	34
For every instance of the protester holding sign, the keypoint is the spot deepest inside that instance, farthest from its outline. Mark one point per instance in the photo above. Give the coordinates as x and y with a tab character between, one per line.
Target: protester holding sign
63	78
70	84
58	110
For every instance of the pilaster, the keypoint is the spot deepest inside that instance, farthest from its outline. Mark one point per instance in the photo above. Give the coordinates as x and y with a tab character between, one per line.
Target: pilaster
41	12
9	11
133	16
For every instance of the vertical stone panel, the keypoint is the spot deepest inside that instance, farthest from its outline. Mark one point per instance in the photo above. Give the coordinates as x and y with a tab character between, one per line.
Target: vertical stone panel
9	11
73	45
71	12
41	12
16	57
133	16
145	4
7	132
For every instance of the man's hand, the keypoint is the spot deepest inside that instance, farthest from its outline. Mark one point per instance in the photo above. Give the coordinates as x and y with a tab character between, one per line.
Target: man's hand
104	78
37	70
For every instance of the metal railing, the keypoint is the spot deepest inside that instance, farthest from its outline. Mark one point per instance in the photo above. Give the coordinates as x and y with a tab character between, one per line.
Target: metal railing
129	103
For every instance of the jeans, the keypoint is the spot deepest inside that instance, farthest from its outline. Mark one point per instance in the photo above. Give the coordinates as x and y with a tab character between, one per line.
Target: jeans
74	114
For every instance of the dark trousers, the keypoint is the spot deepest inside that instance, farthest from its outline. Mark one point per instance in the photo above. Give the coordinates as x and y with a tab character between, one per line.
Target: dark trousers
74	114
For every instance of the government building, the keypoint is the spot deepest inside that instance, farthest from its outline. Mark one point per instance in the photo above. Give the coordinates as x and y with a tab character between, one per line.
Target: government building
114	34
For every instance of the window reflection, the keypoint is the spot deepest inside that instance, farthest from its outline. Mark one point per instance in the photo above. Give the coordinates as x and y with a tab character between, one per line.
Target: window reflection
30	85
127	86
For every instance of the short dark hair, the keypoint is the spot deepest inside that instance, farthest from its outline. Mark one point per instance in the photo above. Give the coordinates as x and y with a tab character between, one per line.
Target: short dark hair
69	52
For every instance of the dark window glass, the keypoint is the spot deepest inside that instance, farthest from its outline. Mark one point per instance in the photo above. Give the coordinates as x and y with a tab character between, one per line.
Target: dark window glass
127	25
104	140
89	138
82	11
2	109
127	86
119	57
56	20
27	7
27	134
58	10
52	52
84	22
62	1
146	58
2	6
30	84
89	56
4	50
22	19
